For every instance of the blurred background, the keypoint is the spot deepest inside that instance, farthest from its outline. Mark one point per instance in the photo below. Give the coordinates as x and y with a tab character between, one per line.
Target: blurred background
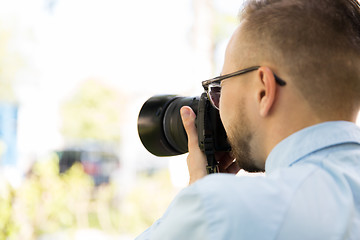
73	77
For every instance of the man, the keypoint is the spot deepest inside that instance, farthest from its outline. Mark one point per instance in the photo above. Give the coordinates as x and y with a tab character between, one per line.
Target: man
290	113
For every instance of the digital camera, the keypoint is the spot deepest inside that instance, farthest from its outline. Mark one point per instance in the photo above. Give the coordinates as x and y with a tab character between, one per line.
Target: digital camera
162	132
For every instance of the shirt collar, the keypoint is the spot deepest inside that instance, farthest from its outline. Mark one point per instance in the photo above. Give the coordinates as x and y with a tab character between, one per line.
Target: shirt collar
311	139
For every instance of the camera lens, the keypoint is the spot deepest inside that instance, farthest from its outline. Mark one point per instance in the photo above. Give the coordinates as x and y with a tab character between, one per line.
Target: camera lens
160	126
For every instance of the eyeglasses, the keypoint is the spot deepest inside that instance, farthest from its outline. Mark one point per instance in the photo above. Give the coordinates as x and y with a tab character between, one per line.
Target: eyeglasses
213	86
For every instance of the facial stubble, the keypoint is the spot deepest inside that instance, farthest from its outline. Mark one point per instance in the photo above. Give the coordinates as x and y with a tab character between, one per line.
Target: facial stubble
240	137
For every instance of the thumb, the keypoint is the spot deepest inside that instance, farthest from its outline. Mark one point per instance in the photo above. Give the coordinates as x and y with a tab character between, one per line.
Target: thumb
196	159
188	118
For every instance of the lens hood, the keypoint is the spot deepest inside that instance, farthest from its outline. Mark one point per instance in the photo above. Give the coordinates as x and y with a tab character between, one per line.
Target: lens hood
160	127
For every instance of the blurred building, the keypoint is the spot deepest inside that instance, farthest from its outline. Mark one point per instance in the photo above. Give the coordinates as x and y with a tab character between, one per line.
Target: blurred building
8	133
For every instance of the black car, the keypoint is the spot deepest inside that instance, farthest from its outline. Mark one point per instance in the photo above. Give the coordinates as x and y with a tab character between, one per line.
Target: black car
97	162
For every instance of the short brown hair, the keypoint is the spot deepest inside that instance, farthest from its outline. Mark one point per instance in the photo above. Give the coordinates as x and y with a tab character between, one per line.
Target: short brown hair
316	42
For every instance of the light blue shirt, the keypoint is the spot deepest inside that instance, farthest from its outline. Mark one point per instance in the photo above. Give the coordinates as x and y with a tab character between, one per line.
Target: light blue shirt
311	190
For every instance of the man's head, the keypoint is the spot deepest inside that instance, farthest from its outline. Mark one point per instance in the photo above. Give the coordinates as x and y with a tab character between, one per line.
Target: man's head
315	47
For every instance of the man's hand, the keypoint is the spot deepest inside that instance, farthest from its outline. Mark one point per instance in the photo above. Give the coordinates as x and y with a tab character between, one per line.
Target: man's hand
196	159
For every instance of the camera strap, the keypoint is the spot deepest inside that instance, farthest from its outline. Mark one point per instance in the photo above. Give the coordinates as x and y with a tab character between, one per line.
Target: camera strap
212	166
209	148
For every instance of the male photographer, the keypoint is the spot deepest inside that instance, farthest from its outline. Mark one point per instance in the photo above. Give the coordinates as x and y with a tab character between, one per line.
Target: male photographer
290	94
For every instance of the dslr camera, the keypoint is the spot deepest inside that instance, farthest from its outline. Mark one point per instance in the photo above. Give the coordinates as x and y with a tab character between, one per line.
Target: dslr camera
162	133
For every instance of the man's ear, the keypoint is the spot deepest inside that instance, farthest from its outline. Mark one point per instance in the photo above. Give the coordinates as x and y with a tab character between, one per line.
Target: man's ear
267	92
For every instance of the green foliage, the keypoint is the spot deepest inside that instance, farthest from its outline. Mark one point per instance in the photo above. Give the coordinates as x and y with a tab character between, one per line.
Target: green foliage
47	203
146	202
93	112
7	223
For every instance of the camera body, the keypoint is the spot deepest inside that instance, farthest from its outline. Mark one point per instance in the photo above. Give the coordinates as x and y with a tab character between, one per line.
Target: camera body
161	130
